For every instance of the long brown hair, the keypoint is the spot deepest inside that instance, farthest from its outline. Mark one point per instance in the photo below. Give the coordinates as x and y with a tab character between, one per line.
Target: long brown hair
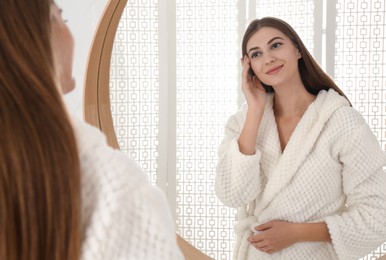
39	164
313	77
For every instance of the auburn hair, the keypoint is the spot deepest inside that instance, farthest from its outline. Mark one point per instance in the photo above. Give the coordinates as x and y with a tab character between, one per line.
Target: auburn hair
312	75
39	162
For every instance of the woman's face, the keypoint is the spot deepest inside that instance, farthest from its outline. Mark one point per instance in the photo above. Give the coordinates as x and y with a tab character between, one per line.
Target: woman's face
274	58
63	49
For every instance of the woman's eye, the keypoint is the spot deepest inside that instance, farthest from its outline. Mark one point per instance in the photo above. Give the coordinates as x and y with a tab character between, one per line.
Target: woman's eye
276	45
255	54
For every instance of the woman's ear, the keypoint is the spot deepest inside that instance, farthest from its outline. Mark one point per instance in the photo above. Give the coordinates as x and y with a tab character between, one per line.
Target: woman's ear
299	54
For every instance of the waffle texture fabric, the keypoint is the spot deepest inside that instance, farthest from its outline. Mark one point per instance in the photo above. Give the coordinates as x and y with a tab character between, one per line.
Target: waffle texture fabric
123	216
330	171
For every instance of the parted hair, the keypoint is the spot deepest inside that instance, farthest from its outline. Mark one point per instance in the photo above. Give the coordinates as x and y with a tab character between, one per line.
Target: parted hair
39	162
312	75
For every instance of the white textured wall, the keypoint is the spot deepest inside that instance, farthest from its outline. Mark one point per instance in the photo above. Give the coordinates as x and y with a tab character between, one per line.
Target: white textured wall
83	18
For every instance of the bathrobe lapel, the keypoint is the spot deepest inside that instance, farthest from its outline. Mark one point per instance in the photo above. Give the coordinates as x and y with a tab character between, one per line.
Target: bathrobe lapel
300	145
268	140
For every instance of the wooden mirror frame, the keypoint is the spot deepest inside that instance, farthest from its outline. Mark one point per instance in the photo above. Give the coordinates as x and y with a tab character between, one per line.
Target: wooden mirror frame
96	108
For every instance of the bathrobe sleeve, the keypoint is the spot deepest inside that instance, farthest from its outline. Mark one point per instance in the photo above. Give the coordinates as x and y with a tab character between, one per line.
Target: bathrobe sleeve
362	227
128	218
237	175
123	215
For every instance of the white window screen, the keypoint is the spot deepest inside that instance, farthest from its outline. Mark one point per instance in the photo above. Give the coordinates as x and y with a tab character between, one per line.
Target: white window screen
206	85
207	79
360	59
134	84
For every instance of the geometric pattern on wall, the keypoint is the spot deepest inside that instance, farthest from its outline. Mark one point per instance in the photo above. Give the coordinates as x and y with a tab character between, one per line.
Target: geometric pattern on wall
134	88
360	65
208	57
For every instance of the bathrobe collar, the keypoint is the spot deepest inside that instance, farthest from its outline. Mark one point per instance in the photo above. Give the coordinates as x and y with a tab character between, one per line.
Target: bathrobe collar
284	165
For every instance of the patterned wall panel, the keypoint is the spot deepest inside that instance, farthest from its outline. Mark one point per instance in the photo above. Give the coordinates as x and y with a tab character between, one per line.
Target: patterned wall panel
207	85
134	84
360	66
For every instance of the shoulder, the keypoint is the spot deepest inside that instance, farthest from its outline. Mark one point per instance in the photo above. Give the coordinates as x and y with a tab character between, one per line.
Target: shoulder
352	132
103	166
119	202
87	136
336	112
110	178
347	119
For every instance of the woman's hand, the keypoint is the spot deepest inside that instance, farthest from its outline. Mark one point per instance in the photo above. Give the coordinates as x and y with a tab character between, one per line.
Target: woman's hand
252	87
274	236
256	99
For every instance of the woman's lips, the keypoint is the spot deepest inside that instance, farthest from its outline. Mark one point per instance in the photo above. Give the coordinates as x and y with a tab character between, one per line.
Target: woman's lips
274	70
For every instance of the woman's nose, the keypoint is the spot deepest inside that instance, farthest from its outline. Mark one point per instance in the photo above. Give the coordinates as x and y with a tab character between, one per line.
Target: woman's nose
269	59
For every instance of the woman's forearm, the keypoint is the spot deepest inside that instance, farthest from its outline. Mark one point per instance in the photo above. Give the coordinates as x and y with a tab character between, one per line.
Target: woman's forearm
248	135
313	232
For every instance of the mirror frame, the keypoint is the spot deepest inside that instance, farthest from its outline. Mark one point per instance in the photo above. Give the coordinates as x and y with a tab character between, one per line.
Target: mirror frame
96	108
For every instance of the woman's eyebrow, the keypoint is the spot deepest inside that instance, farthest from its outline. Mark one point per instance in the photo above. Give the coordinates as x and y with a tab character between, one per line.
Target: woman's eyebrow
274	38
271	40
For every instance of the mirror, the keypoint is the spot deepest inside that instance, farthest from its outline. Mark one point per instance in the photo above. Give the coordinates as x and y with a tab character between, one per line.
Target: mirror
97	109
171	120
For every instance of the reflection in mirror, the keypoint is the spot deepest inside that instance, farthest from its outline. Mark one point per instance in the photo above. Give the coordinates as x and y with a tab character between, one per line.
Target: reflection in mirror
174	82
169	104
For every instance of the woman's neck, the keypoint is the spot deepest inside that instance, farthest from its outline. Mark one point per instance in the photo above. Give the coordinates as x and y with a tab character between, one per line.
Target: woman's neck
292	101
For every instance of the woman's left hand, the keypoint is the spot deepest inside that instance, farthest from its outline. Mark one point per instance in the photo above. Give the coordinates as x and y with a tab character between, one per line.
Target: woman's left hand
274	236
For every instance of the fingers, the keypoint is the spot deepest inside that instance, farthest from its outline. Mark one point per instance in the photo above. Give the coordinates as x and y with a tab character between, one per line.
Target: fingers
252	81
263	247
245	62
261	244
262	227
257	83
256	239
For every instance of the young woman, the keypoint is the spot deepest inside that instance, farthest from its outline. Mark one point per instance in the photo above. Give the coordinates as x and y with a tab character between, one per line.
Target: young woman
64	194
301	165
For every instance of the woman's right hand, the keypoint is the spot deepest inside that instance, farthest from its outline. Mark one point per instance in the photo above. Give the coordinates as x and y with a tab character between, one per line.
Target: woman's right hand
256	99
252	87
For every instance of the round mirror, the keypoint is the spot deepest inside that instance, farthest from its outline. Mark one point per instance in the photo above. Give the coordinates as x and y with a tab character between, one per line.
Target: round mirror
161	83
133	96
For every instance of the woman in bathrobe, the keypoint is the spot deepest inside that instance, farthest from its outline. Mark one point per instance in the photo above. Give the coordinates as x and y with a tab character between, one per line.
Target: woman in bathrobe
301	165
64	193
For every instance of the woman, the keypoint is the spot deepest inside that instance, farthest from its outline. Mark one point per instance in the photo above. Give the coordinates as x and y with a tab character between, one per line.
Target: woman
300	164
64	194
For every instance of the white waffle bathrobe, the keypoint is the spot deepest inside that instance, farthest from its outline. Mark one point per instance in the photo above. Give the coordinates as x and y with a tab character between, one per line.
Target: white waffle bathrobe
123	216
331	171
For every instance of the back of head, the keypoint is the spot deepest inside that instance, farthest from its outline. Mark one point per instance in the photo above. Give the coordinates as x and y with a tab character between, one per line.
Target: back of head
39	164
313	77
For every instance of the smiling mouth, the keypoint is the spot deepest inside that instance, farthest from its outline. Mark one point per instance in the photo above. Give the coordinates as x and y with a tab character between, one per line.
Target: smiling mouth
274	70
